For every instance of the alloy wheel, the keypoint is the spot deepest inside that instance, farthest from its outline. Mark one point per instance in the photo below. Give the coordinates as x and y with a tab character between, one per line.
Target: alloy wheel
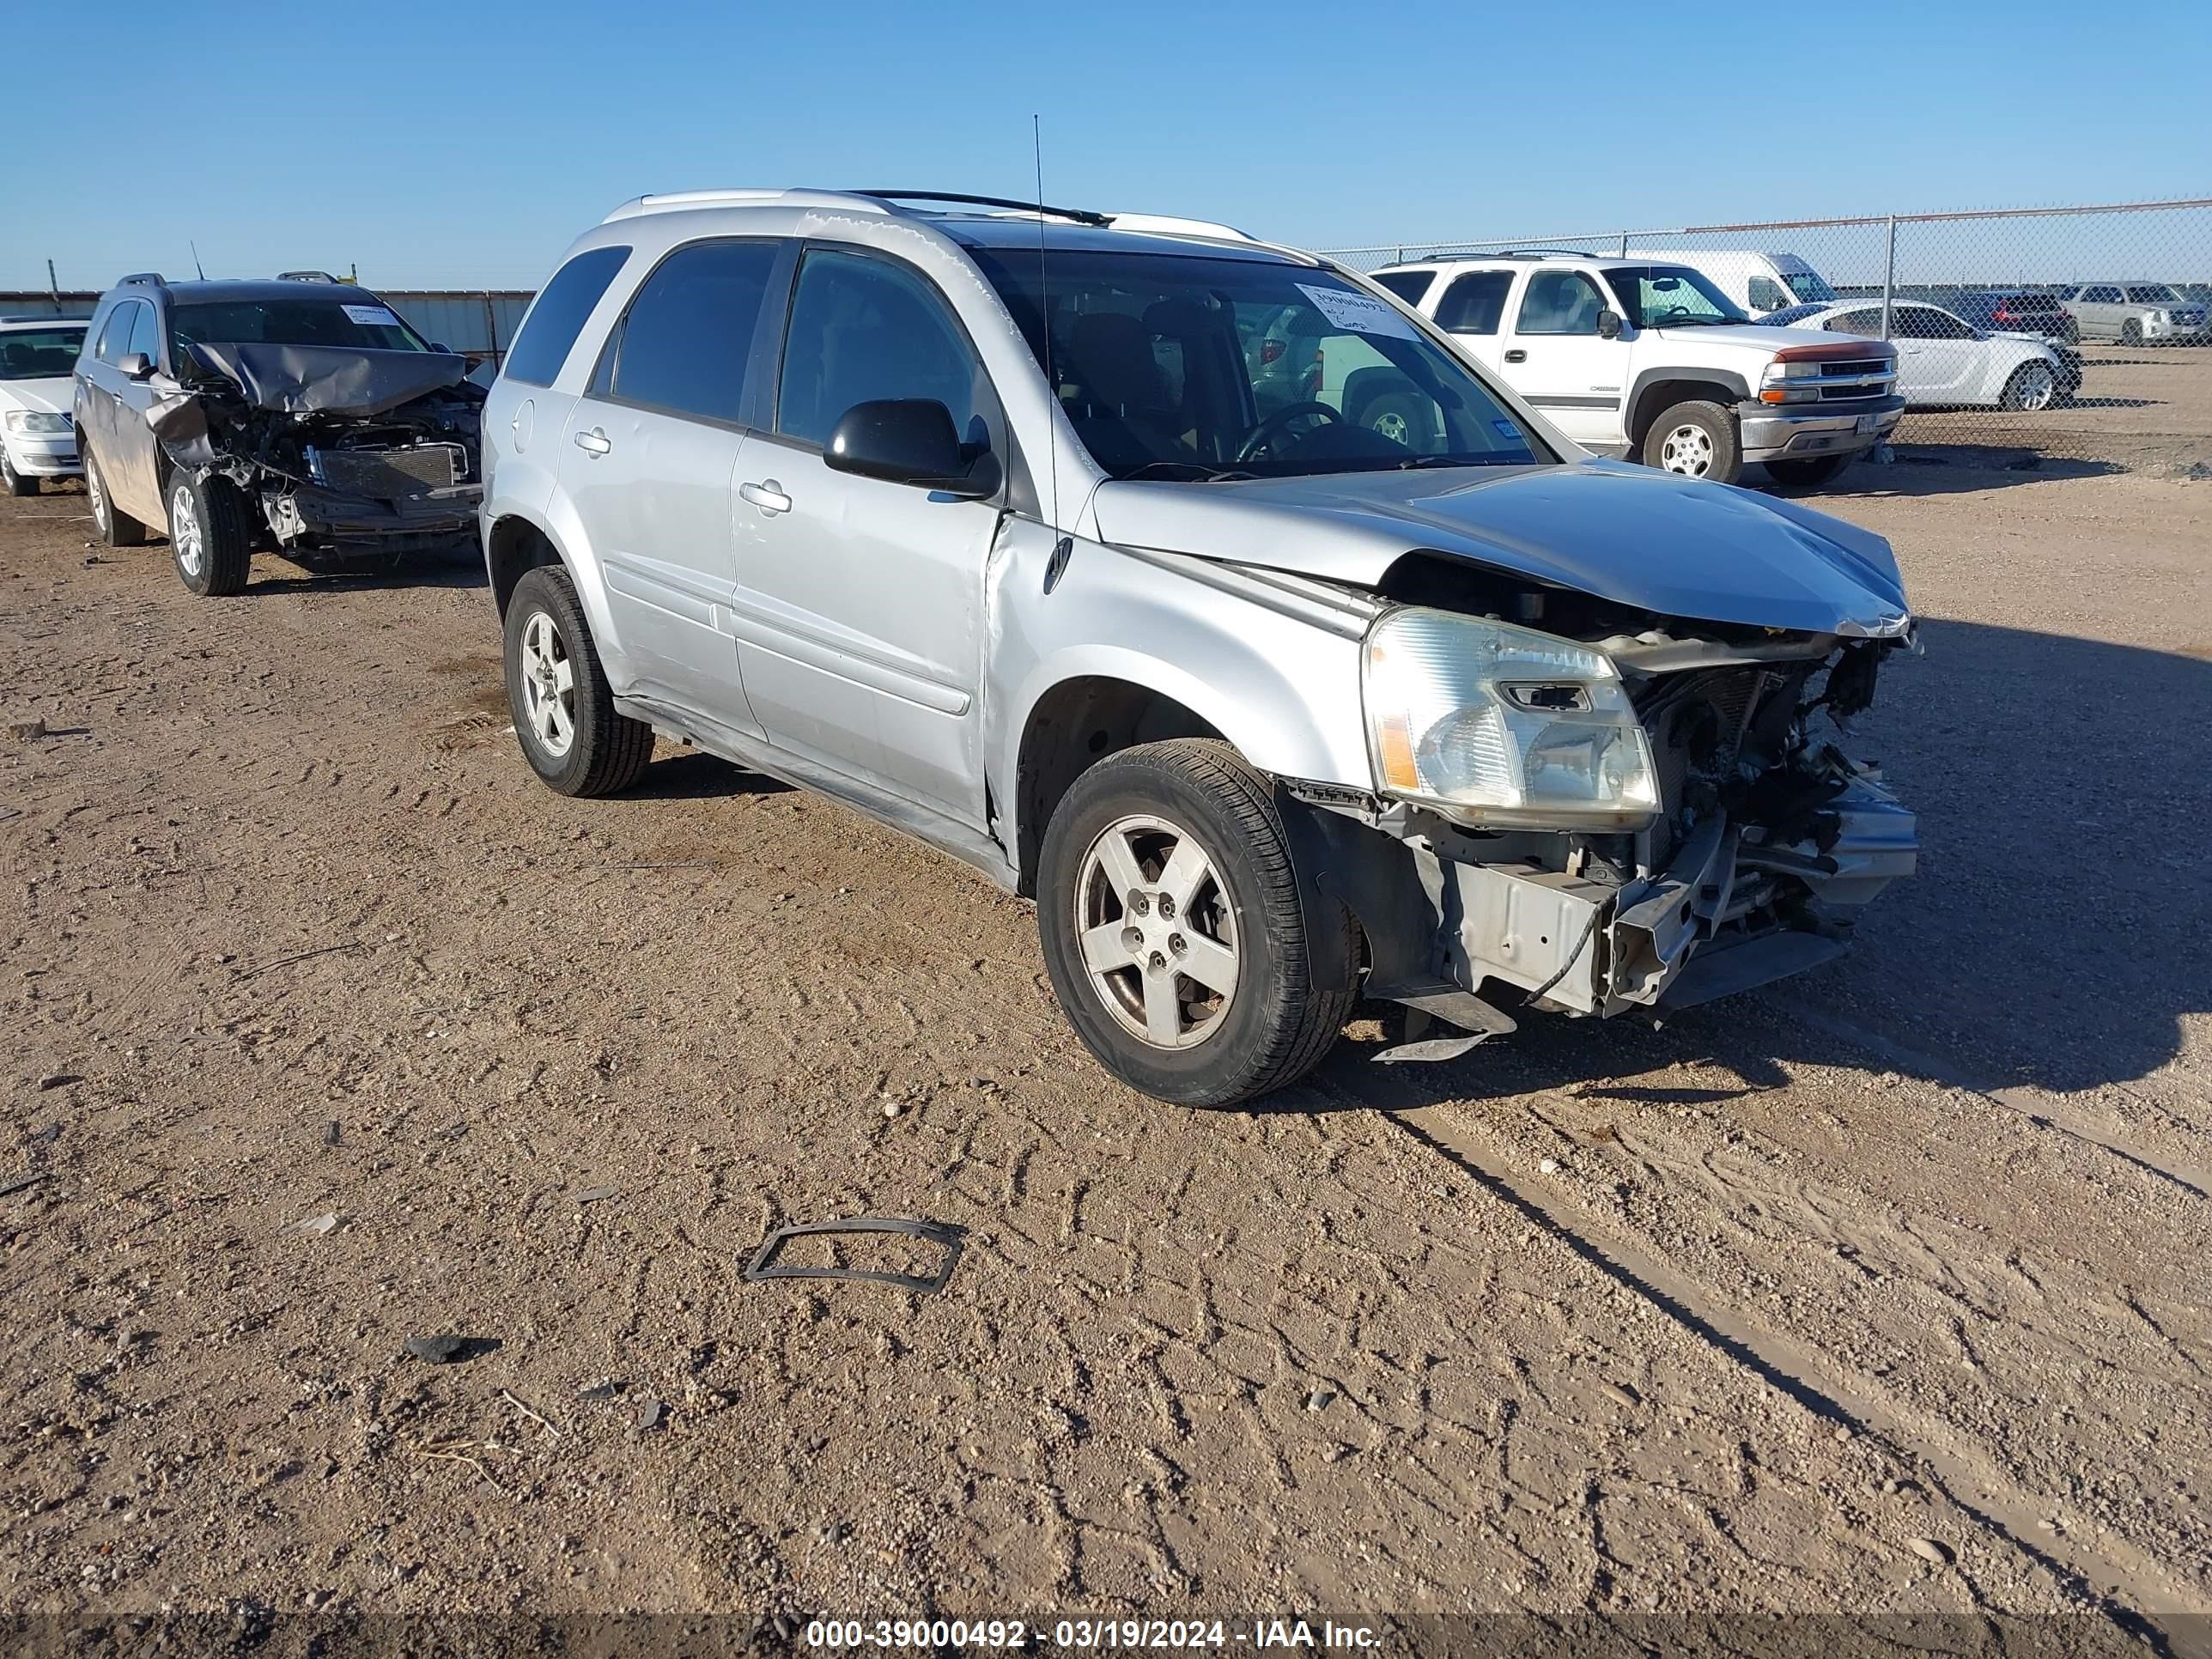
1157	932
1688	450
548	685
2037	387
98	492
186	542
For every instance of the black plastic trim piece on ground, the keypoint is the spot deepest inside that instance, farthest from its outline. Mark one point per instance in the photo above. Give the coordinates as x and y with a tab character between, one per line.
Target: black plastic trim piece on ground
953	1239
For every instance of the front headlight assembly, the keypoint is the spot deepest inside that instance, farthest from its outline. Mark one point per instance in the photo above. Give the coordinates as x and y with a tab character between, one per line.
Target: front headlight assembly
1502	726
36	420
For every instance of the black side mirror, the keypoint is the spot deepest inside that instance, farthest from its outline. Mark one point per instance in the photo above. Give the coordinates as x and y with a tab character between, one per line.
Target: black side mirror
134	365
435	346
911	440
1608	324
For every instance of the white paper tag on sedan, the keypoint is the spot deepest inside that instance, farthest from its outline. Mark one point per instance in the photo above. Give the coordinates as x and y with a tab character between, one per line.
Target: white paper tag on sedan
371	316
1362	314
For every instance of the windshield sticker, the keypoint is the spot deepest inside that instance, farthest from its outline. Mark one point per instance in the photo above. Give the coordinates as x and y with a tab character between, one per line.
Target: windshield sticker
1359	313
371	316
1508	429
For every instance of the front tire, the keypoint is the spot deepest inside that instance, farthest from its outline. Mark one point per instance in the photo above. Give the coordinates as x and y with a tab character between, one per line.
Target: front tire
1809	473
1175	932
16	483
2031	387
2131	333
564	710
1695	439
208	541
116	527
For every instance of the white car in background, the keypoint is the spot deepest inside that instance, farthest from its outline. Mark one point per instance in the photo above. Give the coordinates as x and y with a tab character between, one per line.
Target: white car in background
1756	281
38	358
1944	360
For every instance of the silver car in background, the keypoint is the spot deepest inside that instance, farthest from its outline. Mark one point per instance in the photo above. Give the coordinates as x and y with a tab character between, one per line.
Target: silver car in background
2136	313
994	522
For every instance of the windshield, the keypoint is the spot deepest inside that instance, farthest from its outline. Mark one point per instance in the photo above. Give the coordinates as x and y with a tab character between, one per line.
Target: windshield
362	324
1669	296
1186	367
40	354
1808	285
1790	316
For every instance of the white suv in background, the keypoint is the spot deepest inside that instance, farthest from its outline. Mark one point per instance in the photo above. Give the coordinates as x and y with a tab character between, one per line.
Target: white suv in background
1650	360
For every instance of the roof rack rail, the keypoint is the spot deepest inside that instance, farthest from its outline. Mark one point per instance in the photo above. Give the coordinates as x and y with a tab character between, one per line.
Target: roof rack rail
306	277
744	196
1169	224
1079	215
143	279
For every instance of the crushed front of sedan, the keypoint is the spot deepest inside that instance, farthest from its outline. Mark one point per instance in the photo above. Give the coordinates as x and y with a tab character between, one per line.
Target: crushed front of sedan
343	451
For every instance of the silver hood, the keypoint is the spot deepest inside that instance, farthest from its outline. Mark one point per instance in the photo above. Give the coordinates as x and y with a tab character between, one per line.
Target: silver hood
1640	538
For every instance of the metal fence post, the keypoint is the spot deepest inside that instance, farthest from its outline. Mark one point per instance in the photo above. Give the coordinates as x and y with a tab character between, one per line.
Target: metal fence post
1889	276
1624	244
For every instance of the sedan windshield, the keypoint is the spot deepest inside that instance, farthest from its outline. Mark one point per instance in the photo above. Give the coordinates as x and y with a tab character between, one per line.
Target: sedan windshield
1196	368
40	354
365	324
1669	296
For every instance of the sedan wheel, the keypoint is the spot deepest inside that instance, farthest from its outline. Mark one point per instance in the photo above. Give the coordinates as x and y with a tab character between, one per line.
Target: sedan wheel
2033	387
1157	935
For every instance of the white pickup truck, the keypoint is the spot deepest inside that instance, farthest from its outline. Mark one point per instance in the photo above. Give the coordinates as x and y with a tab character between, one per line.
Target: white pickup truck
1648	360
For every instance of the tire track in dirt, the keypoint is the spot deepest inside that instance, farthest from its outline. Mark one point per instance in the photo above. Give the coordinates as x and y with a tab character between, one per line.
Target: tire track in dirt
2135	1589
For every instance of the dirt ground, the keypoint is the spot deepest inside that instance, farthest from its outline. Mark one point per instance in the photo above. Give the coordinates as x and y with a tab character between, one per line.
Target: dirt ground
1883	1291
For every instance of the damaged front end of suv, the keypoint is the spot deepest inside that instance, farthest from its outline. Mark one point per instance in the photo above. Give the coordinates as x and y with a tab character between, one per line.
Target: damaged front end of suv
342	453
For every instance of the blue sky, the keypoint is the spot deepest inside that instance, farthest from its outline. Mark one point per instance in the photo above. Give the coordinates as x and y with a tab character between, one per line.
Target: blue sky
460	145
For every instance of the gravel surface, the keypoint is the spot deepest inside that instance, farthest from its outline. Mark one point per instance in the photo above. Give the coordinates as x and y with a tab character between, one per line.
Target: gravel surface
385	1139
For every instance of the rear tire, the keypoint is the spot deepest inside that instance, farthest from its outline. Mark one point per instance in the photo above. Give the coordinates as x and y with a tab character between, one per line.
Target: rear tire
1139	980
1810	473
117	528
210	541
1695	439
564	710
16	483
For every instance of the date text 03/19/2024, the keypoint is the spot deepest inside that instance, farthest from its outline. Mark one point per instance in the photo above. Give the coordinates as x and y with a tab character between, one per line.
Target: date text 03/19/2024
1084	1635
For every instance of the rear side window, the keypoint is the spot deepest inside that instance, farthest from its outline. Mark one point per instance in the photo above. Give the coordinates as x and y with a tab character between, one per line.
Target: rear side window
1411	286
863	329
1474	302
558	317
683	344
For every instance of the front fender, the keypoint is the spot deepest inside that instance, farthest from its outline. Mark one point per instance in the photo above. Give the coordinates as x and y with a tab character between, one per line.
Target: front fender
1281	687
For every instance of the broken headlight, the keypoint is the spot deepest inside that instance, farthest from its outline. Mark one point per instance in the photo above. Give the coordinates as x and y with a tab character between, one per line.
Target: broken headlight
1503	725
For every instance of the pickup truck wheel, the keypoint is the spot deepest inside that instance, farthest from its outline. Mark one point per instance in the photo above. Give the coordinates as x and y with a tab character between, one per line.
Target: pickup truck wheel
117	528
1697	440
564	710
1808	474
16	483
208	537
1175	930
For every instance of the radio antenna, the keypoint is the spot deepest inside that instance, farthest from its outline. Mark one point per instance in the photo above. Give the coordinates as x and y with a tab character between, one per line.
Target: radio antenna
195	247
1044	320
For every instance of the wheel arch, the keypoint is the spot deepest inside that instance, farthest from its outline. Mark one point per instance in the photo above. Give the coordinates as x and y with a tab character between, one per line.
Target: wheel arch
1657	390
517	543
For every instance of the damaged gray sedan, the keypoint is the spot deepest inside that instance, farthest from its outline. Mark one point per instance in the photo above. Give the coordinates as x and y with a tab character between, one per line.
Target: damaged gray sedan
293	416
1195	589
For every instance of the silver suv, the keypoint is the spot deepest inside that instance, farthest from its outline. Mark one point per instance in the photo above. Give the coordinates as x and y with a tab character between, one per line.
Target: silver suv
1011	528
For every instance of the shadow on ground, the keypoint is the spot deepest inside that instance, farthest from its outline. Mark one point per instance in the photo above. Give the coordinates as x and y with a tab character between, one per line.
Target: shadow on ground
2056	935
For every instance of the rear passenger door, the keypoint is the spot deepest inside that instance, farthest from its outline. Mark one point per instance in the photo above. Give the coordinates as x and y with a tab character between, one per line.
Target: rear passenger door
649	463
859	608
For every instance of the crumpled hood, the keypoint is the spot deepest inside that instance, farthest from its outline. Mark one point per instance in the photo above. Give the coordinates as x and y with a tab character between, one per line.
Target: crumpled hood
49	395
1633	535
296	379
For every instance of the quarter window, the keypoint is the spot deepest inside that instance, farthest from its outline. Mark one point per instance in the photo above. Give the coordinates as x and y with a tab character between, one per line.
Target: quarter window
1408	285
684	343
862	329
1474	302
1560	302
558	317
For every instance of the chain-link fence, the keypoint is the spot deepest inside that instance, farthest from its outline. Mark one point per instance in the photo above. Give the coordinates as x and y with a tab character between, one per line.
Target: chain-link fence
2081	333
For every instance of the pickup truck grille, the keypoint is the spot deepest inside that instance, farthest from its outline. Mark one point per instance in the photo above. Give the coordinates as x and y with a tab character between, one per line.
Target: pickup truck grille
1850	379
391	475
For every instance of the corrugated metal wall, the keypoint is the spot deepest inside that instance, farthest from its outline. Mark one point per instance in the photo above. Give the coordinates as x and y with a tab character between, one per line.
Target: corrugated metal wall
480	322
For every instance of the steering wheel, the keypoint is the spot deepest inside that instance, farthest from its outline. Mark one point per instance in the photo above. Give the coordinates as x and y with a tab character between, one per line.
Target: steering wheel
1671	313
1267	430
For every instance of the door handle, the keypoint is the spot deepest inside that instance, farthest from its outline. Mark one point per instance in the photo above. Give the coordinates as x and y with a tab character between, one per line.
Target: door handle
1516	356
767	495
592	443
